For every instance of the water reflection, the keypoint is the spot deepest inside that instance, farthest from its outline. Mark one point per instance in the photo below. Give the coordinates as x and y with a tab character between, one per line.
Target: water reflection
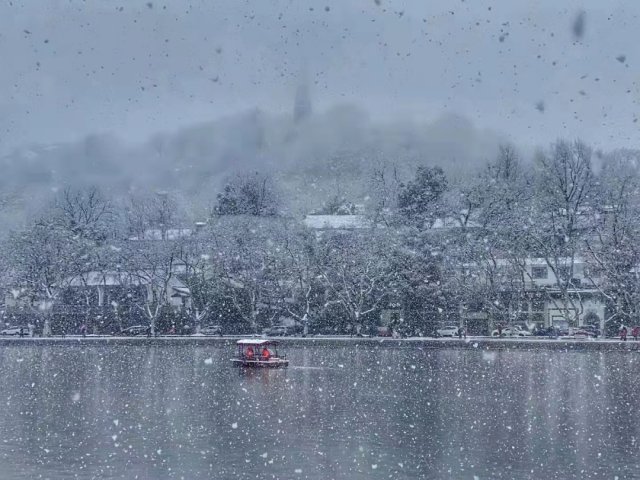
338	412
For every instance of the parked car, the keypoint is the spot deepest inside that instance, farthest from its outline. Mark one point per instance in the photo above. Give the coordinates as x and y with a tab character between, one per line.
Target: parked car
582	332
550	332
384	332
448	331
16	330
277	331
211	330
512	331
519	331
135	330
594	330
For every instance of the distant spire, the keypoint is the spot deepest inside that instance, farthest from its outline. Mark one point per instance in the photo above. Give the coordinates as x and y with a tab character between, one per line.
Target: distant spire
302	103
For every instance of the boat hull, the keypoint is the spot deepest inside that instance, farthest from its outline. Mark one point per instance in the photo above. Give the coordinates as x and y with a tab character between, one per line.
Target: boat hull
273	363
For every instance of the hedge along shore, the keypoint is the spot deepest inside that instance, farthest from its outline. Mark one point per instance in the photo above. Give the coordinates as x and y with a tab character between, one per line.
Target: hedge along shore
481	343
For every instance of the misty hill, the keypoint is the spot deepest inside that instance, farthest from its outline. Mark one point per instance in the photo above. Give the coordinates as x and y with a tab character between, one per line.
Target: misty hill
324	154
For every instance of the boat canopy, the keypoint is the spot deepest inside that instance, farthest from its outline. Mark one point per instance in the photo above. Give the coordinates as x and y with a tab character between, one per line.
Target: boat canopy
256	341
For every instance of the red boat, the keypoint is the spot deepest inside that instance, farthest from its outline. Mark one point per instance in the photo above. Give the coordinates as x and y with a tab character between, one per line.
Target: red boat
259	353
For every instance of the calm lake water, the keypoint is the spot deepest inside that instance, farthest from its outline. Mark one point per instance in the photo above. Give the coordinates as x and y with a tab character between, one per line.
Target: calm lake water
343	412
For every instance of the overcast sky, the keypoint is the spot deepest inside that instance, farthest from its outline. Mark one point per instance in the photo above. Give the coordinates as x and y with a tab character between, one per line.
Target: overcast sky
534	70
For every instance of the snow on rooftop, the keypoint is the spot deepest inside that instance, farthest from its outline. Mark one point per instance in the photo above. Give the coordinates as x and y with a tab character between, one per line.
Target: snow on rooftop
181	291
453	222
104	278
336	222
170	234
97	278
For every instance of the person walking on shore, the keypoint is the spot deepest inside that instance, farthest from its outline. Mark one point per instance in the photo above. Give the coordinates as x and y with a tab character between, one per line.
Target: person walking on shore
635	332
623	333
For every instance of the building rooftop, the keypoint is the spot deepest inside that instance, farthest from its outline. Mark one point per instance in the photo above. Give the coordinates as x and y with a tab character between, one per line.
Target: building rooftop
336	222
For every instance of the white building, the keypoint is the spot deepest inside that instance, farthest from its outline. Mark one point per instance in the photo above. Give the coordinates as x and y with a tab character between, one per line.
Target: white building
559	292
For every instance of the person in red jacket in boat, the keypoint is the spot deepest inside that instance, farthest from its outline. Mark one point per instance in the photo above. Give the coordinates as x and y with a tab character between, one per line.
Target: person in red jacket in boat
266	354
249	353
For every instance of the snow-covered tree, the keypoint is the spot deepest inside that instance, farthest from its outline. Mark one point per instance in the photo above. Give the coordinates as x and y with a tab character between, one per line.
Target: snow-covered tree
613	247
43	262
245	252
558	220
420	200
152	267
90	219
84	213
200	275
357	273
491	247
384	192
249	194
299	281
152	216
150	257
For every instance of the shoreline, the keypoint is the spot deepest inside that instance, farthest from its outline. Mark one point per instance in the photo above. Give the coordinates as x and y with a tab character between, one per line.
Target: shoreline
482	343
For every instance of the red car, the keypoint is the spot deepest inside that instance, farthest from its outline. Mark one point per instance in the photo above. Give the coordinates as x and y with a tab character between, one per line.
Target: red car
385	332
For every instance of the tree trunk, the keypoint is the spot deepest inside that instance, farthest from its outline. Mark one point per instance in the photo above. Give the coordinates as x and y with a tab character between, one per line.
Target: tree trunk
47	306
198	320
254	321
46	329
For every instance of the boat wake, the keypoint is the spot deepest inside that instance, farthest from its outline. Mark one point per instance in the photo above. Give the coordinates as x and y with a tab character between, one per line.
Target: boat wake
298	367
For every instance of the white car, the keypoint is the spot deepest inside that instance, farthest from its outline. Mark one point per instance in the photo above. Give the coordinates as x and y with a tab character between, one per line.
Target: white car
211	330
448	331
135	330
276	331
514	331
16	330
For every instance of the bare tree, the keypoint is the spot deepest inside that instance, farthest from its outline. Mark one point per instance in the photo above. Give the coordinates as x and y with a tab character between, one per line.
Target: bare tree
384	191
85	213
356	274
199	274
245	254
151	256
613	247
300	281
490	246
42	259
152	217
152	265
558	220
249	194
90	220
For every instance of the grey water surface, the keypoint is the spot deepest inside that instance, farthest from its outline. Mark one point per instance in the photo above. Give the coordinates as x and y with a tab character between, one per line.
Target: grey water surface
348	411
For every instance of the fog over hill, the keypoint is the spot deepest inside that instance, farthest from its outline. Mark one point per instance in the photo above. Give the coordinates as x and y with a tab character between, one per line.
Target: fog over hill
319	155
378	82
